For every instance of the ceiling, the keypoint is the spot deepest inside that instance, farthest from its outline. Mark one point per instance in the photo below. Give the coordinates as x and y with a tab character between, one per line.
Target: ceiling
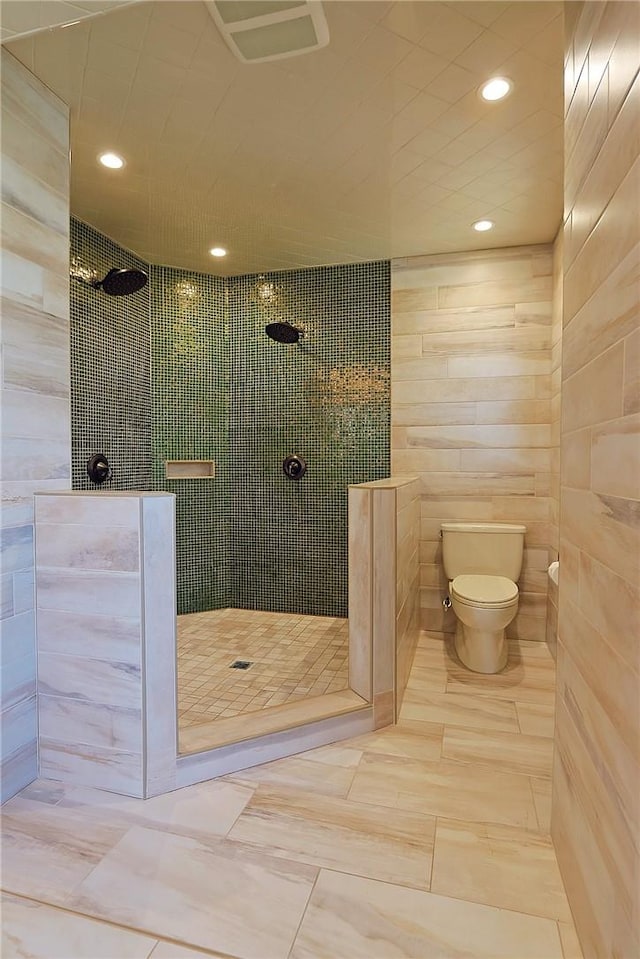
19	18
375	146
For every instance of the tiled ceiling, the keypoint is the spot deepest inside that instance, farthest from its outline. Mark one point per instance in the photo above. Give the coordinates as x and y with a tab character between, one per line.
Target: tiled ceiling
376	146
19	18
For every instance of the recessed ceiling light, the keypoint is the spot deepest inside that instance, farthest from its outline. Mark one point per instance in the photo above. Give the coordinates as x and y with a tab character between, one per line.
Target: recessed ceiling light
483	225
496	88
218	251
111	160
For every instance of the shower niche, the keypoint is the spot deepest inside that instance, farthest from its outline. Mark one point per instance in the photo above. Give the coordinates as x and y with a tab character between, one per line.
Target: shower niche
189	469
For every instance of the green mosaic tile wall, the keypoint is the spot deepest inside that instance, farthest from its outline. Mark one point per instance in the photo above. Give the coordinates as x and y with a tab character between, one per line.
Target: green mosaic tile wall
190	374
184	370
110	368
325	398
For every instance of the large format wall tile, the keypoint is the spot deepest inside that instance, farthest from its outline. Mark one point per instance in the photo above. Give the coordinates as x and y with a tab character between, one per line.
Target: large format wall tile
384	590
472	405
102	724
596	778
35	376
85	634
91	680
103	767
106	640
85	547
86	591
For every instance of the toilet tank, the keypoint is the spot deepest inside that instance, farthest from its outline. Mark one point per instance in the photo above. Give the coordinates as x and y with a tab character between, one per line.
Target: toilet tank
489	549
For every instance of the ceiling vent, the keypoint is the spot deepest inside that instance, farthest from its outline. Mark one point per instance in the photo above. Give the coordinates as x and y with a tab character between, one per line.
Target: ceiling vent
260	30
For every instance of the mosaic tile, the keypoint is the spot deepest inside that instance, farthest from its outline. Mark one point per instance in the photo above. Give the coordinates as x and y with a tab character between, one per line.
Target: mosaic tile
183	369
292	657
110	368
190	362
325	398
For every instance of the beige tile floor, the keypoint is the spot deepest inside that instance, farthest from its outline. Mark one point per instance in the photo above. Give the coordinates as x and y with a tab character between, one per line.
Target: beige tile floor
425	840
293	657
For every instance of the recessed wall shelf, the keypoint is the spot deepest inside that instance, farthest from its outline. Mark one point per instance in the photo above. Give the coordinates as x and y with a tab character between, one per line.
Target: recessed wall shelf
189	469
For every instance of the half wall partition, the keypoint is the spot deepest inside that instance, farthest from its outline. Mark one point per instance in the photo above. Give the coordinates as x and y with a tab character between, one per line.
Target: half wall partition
106	637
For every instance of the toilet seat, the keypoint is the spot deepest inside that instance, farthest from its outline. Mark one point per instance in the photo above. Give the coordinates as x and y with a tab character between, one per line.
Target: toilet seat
492	592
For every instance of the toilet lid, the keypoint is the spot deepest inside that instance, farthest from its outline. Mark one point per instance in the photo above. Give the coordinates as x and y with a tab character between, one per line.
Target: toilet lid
484	590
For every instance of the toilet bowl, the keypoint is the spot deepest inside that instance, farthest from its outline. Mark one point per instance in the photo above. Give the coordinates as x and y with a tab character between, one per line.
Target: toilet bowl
482	562
484	606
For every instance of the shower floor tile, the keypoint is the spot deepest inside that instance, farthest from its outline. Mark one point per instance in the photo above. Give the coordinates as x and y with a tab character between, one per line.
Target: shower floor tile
292	657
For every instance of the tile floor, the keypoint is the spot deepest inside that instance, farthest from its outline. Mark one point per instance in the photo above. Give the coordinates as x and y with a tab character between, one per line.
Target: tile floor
293	657
425	840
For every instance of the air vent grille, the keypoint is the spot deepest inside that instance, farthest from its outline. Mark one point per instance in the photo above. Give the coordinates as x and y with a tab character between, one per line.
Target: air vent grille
260	30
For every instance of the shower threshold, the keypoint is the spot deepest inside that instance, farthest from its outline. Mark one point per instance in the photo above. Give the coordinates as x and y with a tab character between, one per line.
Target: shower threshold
275	719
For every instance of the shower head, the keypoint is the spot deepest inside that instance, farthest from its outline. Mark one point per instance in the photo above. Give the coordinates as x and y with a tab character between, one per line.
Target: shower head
121	282
283	332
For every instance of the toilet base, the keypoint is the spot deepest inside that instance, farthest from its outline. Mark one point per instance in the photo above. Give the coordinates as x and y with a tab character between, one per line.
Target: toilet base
482	651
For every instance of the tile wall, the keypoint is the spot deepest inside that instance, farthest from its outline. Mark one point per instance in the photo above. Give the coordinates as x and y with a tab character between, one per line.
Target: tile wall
184	370
471	407
596	781
35	378
106	640
110	367
325	398
384	591
190	389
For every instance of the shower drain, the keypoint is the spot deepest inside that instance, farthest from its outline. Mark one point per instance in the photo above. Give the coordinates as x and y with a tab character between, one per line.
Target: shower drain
241	664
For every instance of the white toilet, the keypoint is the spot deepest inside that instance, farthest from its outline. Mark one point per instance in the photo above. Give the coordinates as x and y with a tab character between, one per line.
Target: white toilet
482	562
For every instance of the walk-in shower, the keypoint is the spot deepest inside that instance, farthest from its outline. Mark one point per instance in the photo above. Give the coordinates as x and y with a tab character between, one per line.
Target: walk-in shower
254	377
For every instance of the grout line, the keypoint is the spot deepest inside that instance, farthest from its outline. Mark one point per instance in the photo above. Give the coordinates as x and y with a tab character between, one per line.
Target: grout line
304	912
433	853
501	908
113	924
558	921
515	706
535	808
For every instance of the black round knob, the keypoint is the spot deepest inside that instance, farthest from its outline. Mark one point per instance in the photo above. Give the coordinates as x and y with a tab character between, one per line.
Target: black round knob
294	467
98	469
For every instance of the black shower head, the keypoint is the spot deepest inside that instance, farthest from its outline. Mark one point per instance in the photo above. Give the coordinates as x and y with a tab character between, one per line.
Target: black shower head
121	282
283	332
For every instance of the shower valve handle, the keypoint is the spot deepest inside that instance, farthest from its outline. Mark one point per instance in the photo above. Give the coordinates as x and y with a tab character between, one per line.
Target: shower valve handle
294	467
98	468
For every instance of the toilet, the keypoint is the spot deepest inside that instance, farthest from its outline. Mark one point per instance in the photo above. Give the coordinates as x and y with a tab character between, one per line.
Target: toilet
482	562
